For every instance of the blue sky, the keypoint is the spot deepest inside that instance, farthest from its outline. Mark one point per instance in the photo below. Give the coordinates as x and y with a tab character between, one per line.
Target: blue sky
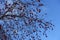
53	10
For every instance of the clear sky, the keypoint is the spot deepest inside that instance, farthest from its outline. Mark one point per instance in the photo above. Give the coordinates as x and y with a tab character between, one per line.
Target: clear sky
53	10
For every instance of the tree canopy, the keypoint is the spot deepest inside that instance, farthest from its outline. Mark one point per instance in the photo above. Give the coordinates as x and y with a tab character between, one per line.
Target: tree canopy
22	20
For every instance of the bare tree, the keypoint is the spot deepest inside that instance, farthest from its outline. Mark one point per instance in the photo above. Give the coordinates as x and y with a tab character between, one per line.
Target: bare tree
22	20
